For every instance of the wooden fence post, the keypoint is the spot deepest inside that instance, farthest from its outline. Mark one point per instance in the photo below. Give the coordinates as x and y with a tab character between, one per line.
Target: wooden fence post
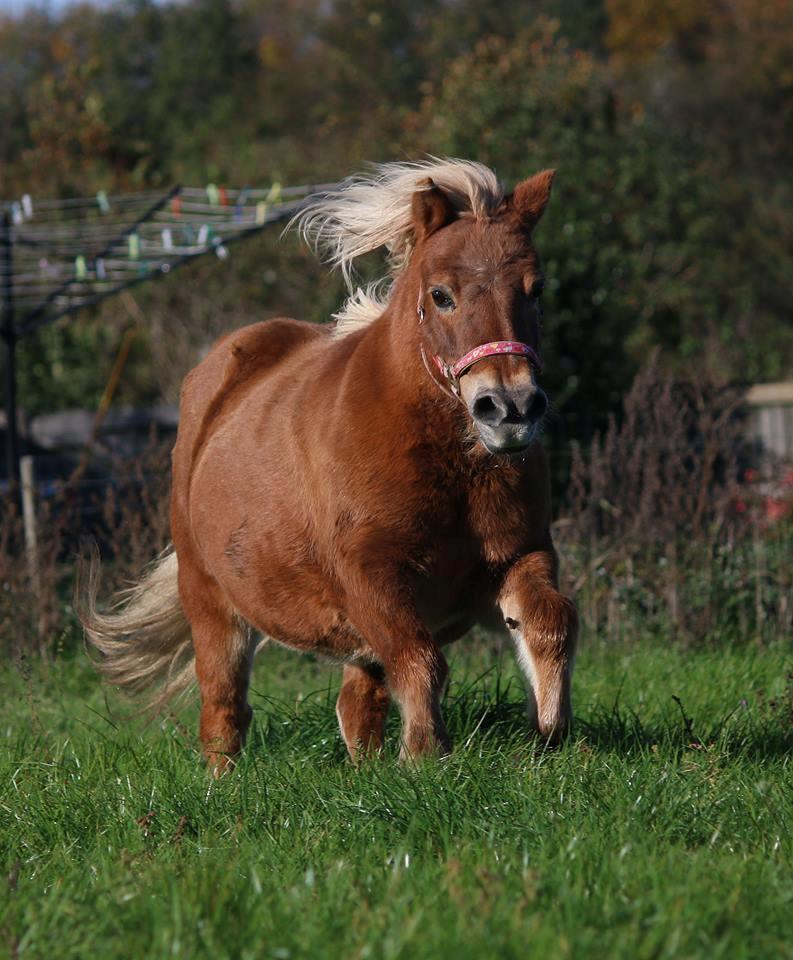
29	521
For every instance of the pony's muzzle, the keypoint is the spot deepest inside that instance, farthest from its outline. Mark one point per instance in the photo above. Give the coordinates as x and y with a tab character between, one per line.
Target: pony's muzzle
507	418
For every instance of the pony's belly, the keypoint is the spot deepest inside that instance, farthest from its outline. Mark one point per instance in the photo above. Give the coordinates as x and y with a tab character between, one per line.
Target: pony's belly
261	557
296	606
340	644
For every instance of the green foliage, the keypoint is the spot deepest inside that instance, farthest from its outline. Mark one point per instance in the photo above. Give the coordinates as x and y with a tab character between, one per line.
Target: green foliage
633	241
661	831
67	365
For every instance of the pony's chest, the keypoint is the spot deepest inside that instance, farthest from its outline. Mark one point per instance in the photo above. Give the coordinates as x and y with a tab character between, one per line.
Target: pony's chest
480	540
504	515
468	546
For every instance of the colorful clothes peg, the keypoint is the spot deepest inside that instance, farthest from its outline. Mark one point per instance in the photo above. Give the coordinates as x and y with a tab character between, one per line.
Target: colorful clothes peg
239	206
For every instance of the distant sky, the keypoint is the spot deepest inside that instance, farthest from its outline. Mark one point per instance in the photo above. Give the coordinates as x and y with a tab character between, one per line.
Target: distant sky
17	6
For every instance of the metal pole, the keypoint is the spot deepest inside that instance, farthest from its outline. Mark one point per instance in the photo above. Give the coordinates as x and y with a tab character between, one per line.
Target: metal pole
9	335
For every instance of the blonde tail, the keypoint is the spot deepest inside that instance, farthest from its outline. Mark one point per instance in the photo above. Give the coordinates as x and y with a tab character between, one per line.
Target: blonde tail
144	641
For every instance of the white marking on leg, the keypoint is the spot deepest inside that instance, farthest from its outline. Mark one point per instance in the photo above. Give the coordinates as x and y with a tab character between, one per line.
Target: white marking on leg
525	660
341	725
545	692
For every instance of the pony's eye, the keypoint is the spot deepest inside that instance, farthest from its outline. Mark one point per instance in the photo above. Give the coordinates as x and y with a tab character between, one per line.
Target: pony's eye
441	299
536	289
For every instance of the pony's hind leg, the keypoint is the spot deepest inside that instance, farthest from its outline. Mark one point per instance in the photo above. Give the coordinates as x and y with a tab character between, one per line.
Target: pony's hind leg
224	651
362	708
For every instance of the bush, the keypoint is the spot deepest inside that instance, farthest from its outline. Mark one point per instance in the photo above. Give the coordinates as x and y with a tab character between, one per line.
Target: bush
656	530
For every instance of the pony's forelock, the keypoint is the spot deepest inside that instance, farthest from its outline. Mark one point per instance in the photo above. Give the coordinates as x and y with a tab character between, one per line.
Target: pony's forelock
374	210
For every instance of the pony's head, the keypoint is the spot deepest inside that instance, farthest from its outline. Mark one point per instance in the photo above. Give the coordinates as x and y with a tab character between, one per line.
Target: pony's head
478	306
465	274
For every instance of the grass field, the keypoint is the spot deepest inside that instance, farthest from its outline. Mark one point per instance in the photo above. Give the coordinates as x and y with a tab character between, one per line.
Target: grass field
662	830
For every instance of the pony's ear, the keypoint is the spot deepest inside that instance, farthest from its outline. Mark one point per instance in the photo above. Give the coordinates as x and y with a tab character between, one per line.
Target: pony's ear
530	197
432	209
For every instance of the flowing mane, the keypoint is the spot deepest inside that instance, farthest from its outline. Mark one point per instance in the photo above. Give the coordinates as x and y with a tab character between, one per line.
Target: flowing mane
373	210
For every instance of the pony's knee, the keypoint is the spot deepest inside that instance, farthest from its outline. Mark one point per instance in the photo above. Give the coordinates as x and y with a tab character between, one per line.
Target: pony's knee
418	670
545	620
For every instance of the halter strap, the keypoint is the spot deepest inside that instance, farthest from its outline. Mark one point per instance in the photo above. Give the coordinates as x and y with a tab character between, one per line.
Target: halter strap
493	349
496	348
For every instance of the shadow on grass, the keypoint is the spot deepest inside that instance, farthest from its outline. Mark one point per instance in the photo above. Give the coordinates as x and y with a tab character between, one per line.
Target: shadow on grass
625	732
496	711
744	731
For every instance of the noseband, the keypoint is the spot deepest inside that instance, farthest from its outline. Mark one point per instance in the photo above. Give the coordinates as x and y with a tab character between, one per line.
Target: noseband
451	372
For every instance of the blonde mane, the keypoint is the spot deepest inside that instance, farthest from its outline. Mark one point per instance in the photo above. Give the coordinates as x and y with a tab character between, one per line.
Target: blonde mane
373	210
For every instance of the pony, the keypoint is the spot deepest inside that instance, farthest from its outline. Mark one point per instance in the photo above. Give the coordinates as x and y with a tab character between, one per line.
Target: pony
366	491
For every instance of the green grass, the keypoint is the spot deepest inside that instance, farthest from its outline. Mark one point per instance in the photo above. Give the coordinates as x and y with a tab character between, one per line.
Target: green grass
649	835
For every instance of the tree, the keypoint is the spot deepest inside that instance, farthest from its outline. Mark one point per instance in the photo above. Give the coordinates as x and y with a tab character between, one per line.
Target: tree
637	242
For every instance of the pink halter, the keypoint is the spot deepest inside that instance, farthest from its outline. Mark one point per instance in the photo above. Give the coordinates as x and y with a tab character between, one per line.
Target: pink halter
452	372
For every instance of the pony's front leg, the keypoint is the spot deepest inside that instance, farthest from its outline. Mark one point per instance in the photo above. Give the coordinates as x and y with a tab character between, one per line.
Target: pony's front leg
544	626
415	670
362	708
416	674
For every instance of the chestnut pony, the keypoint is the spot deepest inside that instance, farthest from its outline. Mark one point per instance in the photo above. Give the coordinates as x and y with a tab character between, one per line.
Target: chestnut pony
368	491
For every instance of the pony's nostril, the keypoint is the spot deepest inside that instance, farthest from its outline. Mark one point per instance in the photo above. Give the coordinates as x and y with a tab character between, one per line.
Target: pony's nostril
495	408
483	406
487	410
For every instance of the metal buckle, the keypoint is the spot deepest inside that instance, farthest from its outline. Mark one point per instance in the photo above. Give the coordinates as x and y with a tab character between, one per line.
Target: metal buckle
453	381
